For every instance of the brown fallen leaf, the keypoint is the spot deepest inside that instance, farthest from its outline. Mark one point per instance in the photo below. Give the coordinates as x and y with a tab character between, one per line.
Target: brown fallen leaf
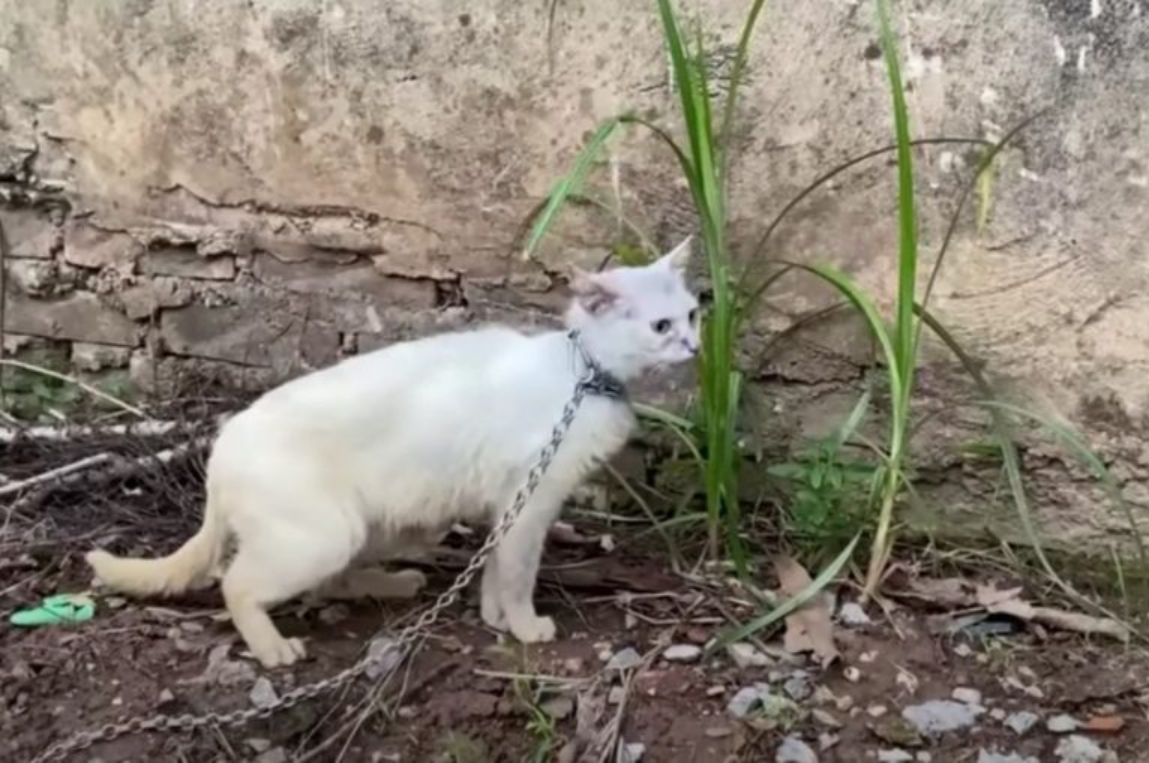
809	628
1008	603
1104	724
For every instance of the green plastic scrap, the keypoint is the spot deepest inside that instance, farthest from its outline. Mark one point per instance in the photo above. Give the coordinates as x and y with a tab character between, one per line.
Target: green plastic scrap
61	609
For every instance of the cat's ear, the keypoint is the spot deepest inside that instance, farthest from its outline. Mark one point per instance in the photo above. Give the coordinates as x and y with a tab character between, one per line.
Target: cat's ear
594	291
677	258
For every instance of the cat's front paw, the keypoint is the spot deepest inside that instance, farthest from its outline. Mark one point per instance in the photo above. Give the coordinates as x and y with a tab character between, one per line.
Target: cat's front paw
492	613
534	630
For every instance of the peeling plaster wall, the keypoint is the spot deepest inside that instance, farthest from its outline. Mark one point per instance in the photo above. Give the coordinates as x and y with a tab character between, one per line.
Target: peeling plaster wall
262	187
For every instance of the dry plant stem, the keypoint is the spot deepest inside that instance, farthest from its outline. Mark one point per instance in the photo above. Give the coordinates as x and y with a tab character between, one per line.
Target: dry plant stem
148	428
53	475
73	380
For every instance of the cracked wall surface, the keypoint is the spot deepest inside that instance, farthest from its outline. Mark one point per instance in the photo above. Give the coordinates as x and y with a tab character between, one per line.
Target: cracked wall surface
261	188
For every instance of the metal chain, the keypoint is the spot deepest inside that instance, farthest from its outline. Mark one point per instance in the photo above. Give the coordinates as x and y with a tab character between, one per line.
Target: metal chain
408	636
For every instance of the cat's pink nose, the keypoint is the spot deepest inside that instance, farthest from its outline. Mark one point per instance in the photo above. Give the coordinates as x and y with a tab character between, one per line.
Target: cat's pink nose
691	345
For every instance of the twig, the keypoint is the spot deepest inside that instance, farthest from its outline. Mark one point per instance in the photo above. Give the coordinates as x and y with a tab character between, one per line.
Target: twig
149	428
53	475
73	380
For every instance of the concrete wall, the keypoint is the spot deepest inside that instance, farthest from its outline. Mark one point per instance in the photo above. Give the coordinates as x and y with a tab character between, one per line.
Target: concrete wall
260	187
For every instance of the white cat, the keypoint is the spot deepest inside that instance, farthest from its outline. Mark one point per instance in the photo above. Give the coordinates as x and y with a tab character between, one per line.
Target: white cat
378	455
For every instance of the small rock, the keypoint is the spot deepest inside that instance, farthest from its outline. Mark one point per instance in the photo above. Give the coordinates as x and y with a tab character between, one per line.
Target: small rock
262	693
1062	724
573	665
334	614
1021	722
894	756
745	700
967	695
258	745
715	691
923	757
718	732
165	697
604	651
939	716
1104	724
852	674
633	752
826	740
1078	749
682	653
963	650
799	685
998	714
992	756
386	656
794	750
625	659
852	615
876	711
274	755
746	656
558	707
826	718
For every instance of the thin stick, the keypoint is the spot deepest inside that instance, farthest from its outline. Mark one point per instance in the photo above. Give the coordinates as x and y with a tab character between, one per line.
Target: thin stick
54	474
149	428
73	380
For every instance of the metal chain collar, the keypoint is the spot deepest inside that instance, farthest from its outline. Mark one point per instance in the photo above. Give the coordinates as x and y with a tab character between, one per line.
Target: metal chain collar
589	383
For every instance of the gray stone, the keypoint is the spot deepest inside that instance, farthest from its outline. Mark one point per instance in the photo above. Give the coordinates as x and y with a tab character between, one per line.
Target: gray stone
939	716
633	752
894	756
386	657
97	357
88	246
992	756
263	693
1062	724
1078	749
852	615
744	701
624	659
747	656
80	316
187	262
144	300
794	750
274	755
967	695
799	685
30	233
320	275
682	653
1021	722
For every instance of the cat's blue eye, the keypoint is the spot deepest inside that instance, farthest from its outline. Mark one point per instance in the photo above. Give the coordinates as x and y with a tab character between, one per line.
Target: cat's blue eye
661	326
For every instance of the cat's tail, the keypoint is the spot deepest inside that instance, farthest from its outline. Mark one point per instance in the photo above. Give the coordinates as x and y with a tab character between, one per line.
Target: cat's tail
190	566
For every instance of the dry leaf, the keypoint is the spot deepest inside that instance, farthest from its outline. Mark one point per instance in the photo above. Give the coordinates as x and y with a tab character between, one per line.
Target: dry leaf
989	595
810	628
1104	724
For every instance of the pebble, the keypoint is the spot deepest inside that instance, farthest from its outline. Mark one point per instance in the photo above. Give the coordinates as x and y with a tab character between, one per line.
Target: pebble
826	740
715	691
262	693
967	695
378	646
963	650
852	674
274	755
852	615
1021	722
258	744
876	711
682	653
799	685
794	750
998	714
939	716
747	656
743	701
573	665
166	696
625	659
1078	749
896	755
1062	724
633	752
826	718
988	756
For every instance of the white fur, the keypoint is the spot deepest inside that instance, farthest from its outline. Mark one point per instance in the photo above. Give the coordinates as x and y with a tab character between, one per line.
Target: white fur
381	453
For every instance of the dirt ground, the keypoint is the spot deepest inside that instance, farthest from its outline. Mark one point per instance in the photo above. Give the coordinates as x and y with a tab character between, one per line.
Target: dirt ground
471	696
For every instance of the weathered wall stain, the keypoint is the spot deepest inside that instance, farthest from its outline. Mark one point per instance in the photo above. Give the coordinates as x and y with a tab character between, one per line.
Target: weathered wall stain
262	187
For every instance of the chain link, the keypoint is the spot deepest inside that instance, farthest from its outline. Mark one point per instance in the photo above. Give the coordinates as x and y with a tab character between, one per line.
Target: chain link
406	638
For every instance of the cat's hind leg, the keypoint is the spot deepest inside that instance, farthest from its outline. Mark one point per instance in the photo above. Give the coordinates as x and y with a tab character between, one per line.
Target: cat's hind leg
283	560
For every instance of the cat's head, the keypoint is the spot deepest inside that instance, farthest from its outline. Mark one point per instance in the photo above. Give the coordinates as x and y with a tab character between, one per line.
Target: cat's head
637	318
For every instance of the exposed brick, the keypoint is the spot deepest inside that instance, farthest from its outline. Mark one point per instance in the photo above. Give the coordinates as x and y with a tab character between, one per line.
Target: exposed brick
261	332
31	233
80	317
329	276
143	300
87	246
96	357
186	262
